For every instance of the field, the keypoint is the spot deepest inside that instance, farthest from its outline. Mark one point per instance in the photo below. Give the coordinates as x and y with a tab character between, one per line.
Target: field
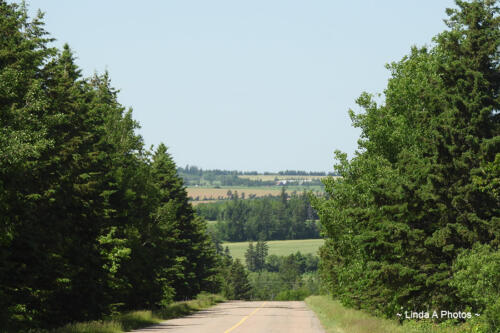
210	194
204	193
280	248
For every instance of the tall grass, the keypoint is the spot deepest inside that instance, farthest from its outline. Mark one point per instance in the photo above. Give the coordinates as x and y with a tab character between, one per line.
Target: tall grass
92	327
337	319
138	319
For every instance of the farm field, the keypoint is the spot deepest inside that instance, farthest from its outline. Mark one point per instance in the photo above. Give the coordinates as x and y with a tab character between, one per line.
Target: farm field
204	193
211	194
279	247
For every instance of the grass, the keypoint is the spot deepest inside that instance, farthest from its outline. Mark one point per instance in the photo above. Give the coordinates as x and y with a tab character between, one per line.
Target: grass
92	327
335	318
138	319
280	248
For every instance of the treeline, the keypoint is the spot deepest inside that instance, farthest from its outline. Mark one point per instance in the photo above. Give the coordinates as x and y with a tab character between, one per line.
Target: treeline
305	173
268	218
194	170
414	221
211	179
194	176
91	223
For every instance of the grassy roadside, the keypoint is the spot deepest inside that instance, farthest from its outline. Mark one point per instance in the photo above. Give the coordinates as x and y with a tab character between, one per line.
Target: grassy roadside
138	319
335	318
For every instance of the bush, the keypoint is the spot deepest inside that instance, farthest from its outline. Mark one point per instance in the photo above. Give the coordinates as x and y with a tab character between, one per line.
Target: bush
492	316
476	276
293	295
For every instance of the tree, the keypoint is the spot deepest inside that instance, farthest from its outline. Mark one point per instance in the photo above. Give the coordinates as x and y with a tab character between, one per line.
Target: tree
250	258
23	138
194	253
260	255
238	286
414	195
290	271
89	218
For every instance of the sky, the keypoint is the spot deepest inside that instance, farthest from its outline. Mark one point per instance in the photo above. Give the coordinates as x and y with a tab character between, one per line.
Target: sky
261	85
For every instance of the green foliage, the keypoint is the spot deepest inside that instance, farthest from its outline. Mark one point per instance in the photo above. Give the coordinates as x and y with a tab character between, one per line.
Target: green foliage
423	185
293	294
291	277
236	285
476	276
265	218
266	285
138	319
256	258
179	309
89	217
250	258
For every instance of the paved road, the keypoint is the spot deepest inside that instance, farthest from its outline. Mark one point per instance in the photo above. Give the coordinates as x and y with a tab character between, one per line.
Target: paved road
244	317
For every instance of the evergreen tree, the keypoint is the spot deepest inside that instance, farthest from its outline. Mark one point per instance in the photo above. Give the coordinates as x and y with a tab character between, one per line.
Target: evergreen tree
23	138
88	218
261	250
251	258
194	253
238	284
414	195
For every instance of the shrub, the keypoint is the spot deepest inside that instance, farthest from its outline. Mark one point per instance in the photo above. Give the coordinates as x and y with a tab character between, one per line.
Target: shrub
476	276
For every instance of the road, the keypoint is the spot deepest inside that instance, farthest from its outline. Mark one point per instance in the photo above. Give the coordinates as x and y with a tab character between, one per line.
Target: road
244	317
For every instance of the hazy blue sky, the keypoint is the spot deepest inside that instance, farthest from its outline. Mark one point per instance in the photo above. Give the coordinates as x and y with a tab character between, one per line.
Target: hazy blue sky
248	85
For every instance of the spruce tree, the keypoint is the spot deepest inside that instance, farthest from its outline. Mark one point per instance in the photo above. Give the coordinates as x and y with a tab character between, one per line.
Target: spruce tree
238	285
87	218
250	257
23	138
194	254
261	250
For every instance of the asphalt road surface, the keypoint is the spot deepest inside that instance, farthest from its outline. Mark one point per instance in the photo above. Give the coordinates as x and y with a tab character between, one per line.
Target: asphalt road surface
244	317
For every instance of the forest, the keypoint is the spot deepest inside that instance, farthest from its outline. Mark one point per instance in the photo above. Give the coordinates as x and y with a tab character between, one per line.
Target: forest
414	220
266	218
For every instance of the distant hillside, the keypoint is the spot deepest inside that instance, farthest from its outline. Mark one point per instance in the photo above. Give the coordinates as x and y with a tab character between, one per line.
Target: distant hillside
194	176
